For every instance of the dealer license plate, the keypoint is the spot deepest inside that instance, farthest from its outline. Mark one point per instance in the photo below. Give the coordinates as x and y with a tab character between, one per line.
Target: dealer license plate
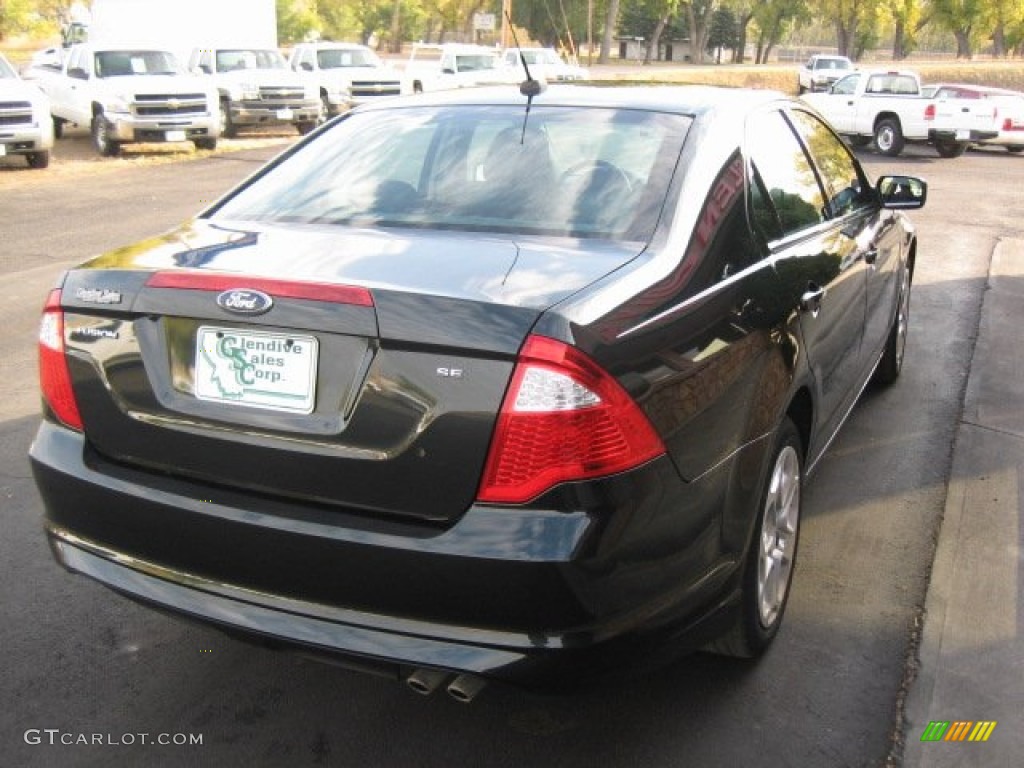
963	135
3	150
285	114
257	370
175	135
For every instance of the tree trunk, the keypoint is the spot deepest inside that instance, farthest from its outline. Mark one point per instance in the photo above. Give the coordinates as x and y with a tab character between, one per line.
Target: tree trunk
999	41
655	41
611	23
698	36
740	54
899	50
395	43
963	43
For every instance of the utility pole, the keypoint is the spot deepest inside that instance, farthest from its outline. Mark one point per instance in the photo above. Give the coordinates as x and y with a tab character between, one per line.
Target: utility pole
506	22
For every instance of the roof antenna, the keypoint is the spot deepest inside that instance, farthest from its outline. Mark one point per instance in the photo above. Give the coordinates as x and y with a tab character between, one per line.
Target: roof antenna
530	87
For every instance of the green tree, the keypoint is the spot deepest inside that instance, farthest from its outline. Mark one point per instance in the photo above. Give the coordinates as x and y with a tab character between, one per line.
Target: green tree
698	16
723	34
775	19
967	20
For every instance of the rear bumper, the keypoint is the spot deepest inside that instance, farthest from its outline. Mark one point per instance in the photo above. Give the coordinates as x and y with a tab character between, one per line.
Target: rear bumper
528	596
970	136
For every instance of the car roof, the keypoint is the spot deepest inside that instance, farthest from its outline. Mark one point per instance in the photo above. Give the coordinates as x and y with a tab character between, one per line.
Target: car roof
332	45
679	99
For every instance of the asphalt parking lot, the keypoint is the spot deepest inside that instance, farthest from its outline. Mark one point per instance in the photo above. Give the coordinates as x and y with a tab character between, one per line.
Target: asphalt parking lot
82	662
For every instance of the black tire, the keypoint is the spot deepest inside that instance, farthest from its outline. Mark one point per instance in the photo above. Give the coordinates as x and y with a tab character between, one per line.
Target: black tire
305	127
950	148
771	554
891	364
205	143
106	146
1015	149
227	128
889	136
58	128
38	160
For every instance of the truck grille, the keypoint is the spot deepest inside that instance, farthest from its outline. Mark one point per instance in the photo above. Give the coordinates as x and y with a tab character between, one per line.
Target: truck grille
169	105
15	113
362	89
281	93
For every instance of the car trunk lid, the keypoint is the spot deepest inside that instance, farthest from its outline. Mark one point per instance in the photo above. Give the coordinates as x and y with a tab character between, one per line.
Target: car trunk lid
353	369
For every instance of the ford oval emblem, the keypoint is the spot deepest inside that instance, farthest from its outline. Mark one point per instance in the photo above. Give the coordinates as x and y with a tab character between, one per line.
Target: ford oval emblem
245	301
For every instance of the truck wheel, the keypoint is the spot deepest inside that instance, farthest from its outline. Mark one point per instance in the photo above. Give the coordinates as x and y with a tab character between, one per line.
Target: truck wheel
206	143
889	136
1015	149
106	146
305	127
38	159
58	128
227	128
950	148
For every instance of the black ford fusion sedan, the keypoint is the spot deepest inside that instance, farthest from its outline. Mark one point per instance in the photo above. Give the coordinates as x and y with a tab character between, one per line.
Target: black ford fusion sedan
480	386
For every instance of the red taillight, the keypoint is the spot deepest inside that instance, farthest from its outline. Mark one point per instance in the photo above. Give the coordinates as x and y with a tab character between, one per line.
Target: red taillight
563	419
929	112
54	377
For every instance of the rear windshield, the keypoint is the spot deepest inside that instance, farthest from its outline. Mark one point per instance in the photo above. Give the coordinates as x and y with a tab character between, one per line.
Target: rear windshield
580	172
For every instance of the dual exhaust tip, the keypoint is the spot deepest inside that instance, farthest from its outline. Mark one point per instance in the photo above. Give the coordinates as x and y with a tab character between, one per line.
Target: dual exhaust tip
463	688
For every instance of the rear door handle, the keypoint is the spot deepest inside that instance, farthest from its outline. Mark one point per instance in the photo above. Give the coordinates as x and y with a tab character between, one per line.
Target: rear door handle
870	255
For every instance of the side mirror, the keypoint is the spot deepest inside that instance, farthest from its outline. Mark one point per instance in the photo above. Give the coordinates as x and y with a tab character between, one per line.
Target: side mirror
306	66
902	192
78	73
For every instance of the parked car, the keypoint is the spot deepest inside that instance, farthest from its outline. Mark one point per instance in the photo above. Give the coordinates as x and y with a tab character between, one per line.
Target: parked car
544	63
819	72
1009	110
25	124
346	74
394	400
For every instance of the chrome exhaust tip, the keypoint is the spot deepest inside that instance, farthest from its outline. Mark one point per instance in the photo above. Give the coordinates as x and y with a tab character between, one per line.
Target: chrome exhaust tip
426	681
465	688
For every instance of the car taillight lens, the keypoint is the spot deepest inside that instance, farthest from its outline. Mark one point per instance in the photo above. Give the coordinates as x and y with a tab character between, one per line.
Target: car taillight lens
54	377
563	419
929	112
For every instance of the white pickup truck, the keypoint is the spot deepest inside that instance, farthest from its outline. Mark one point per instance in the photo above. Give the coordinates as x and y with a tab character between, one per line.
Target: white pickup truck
128	95
346	74
257	88
25	126
889	108
455	65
